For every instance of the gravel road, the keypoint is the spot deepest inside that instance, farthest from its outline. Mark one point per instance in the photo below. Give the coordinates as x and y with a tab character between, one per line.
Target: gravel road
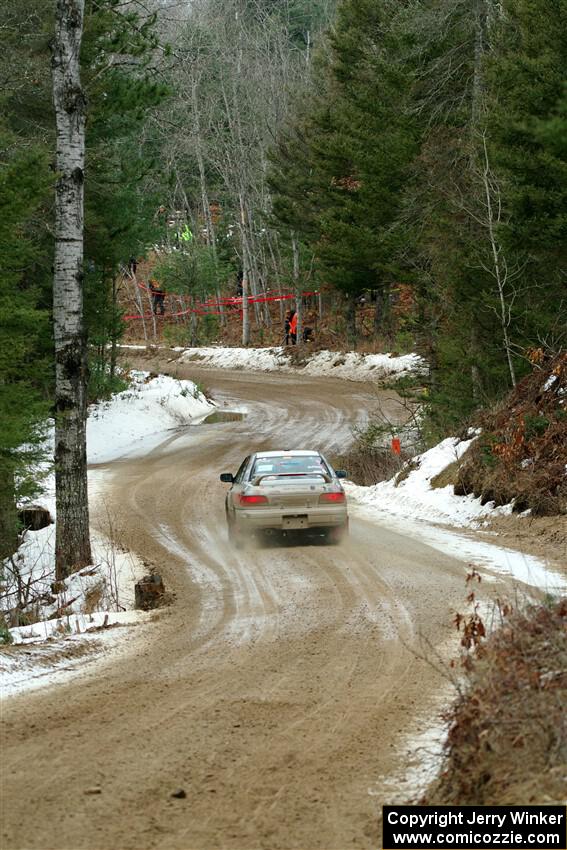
276	690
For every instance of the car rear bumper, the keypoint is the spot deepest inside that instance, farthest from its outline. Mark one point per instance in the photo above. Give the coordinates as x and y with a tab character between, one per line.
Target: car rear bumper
290	518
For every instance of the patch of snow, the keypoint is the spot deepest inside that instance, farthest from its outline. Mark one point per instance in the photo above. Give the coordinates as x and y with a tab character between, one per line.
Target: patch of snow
258	359
74	624
351	365
421	754
136	419
416	509
414	497
362	367
107	586
102	594
27	667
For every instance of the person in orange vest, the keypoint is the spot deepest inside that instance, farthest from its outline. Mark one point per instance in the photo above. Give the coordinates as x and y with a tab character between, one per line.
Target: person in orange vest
293	327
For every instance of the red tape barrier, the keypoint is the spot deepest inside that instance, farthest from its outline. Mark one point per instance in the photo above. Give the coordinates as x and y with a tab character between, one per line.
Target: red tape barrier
236	301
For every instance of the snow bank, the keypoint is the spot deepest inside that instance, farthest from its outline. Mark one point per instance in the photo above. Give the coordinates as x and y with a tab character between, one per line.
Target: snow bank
42	663
135	419
350	366
414	497
132	422
107	587
74	624
362	367
415	509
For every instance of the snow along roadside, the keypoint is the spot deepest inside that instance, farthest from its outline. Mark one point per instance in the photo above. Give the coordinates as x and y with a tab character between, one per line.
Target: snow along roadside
412	507
349	366
74	622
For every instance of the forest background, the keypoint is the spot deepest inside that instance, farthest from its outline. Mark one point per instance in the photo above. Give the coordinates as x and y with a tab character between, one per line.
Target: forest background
356	147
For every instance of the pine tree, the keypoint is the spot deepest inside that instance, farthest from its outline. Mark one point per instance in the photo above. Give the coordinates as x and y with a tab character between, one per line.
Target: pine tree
120	160
118	217
431	152
25	261
342	169
529	128
461	279
24	183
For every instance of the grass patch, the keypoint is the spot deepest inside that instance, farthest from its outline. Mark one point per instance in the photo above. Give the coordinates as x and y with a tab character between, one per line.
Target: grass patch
5	636
521	454
409	467
447	476
367	465
370	459
507	742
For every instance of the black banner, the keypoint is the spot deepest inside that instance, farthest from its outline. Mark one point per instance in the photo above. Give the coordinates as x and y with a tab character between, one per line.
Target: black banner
464	827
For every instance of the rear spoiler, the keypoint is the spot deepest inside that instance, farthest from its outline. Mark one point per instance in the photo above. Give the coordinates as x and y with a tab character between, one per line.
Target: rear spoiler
259	478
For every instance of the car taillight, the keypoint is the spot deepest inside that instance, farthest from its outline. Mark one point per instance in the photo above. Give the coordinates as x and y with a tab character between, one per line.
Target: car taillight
335	498
249	501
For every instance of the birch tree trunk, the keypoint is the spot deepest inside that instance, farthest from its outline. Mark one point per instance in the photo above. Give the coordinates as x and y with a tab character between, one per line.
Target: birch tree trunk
499	270
211	234
245	278
72	541
115	330
245	302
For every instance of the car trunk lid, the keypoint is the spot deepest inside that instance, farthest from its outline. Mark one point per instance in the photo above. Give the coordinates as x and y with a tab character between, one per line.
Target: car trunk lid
292	491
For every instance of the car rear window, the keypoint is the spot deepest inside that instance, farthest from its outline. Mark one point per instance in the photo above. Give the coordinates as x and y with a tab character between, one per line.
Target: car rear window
290	465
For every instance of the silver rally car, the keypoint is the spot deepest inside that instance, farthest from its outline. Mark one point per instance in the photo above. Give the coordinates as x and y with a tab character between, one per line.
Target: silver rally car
286	491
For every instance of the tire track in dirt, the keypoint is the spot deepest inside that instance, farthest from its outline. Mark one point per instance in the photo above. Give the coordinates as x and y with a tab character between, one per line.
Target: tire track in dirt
274	690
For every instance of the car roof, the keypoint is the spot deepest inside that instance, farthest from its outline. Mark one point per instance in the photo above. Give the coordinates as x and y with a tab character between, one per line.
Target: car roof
284	453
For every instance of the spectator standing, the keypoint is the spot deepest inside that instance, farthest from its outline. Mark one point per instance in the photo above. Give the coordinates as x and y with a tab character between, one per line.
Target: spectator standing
293	327
287	322
158	298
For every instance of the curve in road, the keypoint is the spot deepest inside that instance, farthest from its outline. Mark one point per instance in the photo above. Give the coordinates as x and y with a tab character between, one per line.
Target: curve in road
275	689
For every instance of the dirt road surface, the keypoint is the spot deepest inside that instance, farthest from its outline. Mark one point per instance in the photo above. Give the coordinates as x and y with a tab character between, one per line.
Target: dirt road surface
277	687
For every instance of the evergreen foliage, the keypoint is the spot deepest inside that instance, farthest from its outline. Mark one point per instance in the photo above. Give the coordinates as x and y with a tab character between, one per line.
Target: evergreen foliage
338	175
119	209
24	182
119	73
419	143
529	78
432	153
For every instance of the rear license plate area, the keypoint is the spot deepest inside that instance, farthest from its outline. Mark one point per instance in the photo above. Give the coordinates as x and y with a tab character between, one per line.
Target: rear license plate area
294	522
